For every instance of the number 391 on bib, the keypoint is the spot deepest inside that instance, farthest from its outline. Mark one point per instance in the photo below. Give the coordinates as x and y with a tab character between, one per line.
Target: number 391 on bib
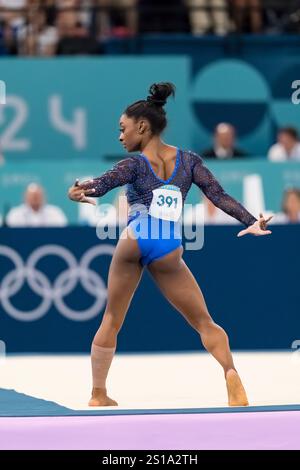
166	203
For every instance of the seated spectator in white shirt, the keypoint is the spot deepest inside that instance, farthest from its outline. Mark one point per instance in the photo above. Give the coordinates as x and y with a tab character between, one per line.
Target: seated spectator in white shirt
287	146
206	213
290	208
35	212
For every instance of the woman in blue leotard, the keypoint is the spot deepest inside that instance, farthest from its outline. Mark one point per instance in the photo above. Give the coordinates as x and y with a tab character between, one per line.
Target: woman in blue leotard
158	180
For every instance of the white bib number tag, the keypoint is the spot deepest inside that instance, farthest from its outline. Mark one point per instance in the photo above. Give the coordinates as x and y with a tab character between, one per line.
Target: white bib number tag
166	203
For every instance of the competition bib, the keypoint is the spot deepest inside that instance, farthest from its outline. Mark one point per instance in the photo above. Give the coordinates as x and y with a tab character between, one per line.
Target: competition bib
166	203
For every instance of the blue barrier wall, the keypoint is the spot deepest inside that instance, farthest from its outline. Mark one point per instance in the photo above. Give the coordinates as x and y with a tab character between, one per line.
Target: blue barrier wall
251	286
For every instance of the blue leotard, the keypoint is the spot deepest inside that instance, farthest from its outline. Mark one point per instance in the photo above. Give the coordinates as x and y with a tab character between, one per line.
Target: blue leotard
137	173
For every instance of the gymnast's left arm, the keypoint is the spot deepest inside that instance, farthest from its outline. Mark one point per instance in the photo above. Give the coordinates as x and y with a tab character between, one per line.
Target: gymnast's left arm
121	173
206	181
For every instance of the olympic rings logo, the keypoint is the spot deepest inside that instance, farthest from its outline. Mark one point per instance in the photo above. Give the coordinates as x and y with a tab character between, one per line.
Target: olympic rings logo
63	285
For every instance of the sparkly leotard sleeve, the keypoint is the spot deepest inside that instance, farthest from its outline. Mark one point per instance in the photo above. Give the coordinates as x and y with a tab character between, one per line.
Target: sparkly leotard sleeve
206	181
123	172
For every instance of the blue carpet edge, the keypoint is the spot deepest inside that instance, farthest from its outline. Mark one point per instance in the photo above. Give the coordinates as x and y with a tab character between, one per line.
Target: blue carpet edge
34	411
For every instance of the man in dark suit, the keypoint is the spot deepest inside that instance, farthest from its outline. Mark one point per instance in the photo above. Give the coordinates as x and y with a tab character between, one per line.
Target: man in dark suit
224	144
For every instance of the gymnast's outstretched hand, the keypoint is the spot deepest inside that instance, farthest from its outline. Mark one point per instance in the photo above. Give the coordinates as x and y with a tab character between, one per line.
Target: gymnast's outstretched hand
78	192
258	228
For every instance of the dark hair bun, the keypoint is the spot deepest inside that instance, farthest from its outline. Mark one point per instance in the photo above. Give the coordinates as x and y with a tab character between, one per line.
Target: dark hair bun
159	92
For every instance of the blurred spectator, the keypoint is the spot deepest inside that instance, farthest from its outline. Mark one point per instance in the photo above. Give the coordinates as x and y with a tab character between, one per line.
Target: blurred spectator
281	17
67	15
287	146
9	43
78	41
39	36
73	29
290	207
34	27
209	16
35	212
163	16
224	144
12	23
13	16
118	18
247	15
208	213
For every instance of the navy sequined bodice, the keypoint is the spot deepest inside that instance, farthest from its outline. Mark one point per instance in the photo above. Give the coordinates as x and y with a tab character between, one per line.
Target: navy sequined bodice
137	173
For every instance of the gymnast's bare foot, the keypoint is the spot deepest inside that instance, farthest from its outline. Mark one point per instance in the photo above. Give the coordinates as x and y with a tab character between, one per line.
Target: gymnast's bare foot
236	392
100	398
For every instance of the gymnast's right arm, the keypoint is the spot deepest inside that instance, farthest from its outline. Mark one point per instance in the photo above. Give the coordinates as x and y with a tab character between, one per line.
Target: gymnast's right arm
121	173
